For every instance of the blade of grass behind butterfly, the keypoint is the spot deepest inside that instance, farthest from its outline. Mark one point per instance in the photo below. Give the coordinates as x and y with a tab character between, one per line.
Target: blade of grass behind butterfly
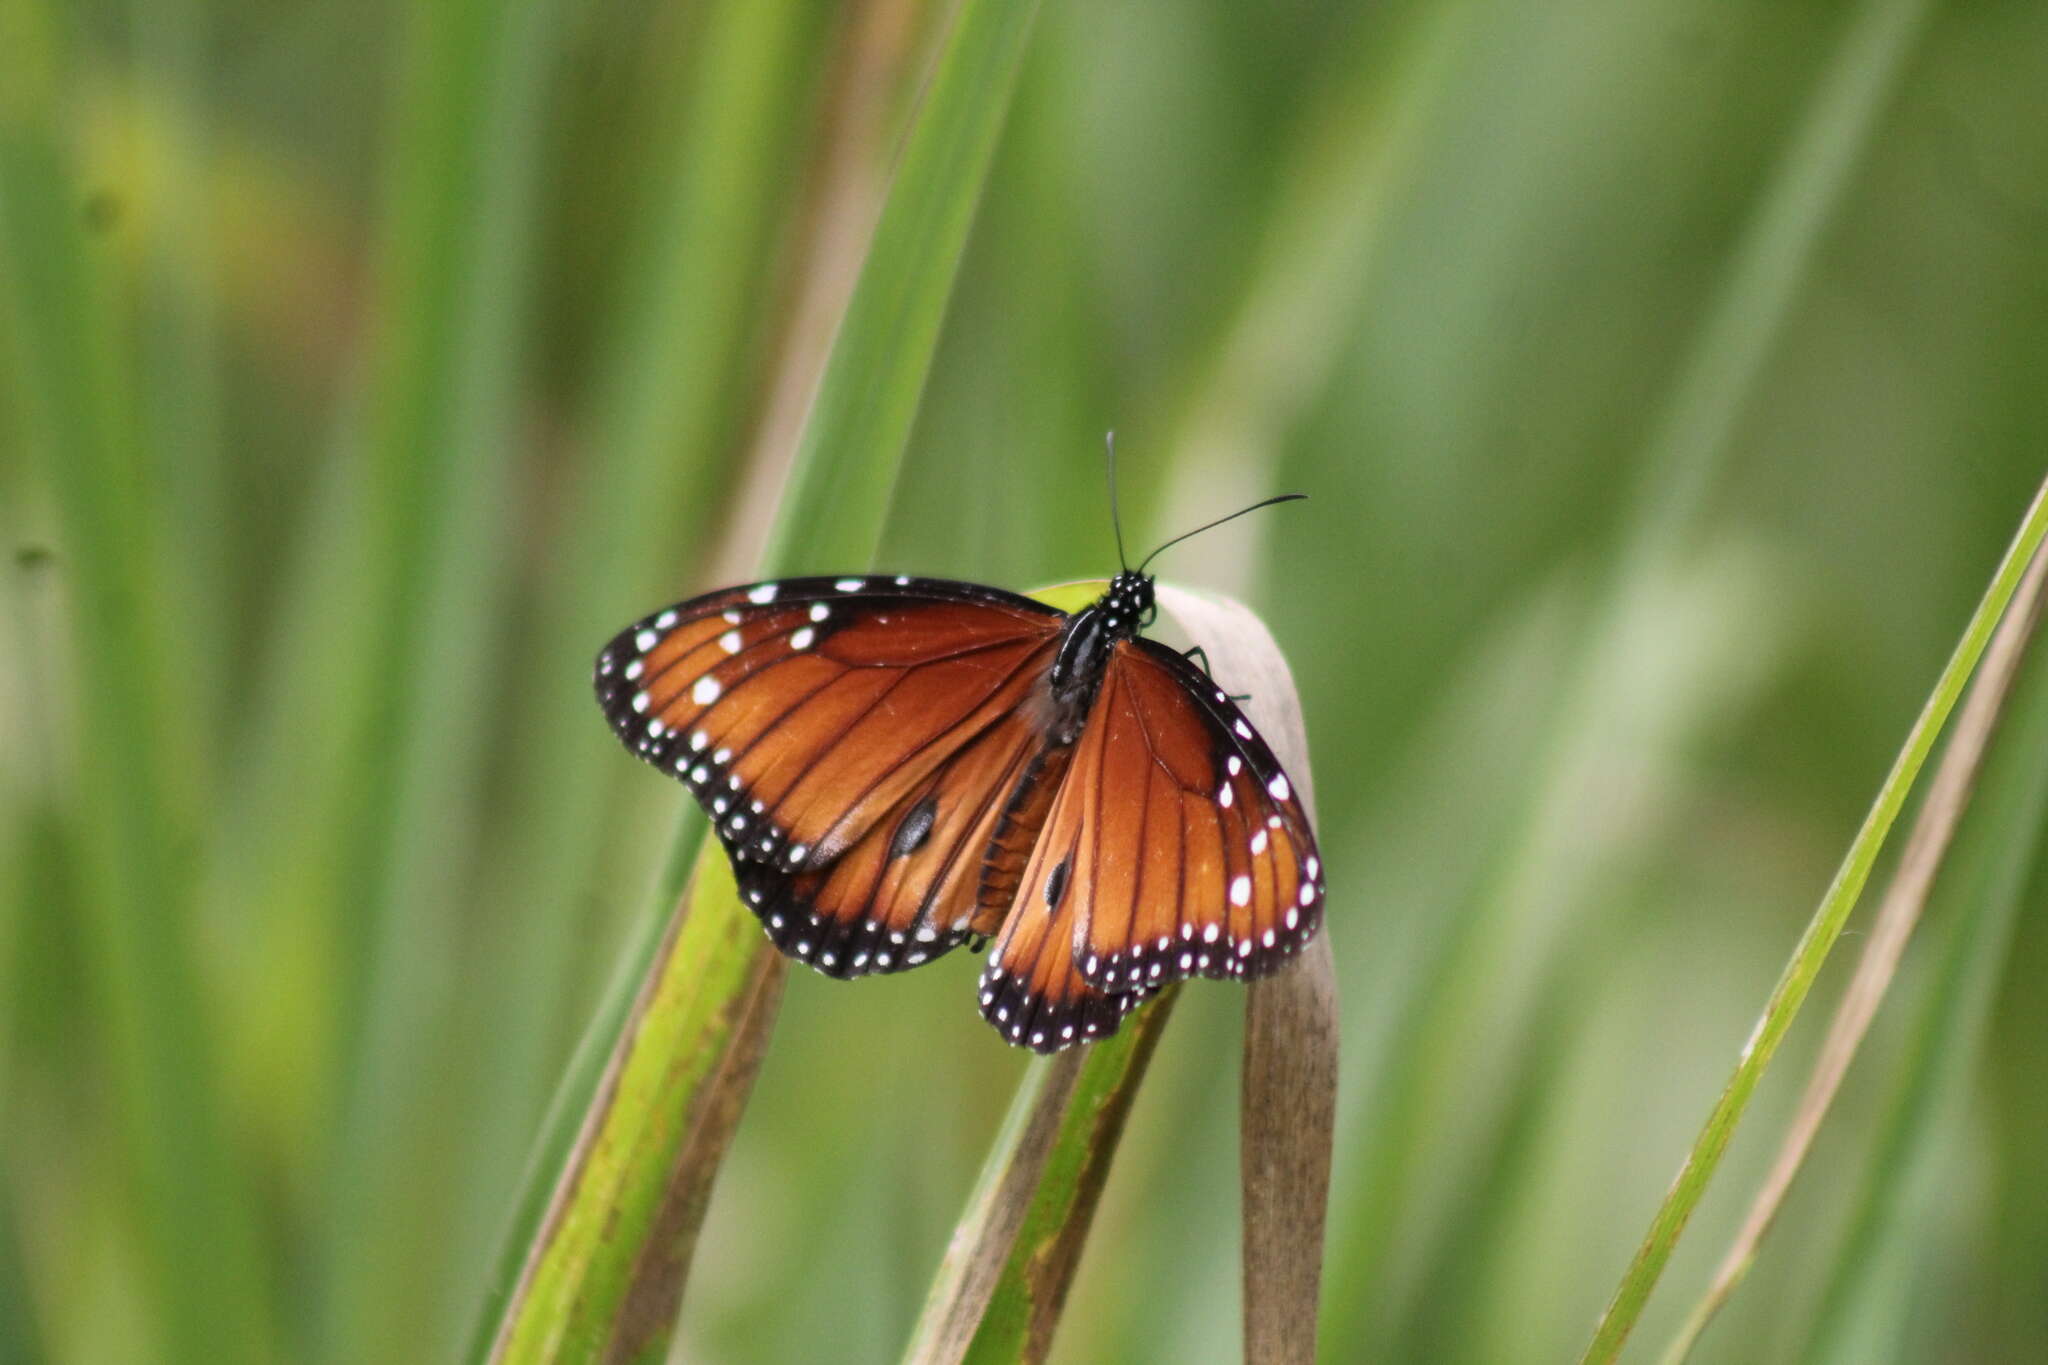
1927	847
1483	969
1868	1299
682	365
180	362
1811	952
609	1258
135	812
436	443
1288	1111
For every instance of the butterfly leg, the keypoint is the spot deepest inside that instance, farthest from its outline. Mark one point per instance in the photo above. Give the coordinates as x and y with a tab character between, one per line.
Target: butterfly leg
1197	651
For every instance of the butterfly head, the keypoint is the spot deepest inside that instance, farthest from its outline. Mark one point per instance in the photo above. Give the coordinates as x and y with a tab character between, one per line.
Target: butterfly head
1127	607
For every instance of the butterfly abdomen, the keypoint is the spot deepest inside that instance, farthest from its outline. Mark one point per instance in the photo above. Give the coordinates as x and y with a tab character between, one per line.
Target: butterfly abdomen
1002	868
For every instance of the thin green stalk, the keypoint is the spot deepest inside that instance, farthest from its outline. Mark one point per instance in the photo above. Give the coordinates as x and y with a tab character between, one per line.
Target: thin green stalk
608	1260
1055	1209
1948	797
1812	950
882	355
179	362
134	754
437	465
1686	449
680	367
1990	891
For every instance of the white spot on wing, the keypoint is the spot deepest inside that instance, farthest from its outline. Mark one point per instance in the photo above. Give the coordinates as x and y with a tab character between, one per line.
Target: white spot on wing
819	611
1241	890
1259	842
730	642
640	702
645	641
803	638
851	584
706	691
1278	786
765	593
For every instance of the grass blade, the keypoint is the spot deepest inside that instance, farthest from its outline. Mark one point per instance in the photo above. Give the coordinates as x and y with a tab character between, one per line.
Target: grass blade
1864	1316
439	443
609	1260
869	395
1812	950
1927	848
134	750
677	385
1000	1289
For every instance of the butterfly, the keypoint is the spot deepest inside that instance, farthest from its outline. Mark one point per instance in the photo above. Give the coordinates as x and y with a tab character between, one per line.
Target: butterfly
899	765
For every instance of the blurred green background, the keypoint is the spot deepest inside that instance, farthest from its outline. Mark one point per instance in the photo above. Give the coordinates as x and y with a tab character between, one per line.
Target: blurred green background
1667	378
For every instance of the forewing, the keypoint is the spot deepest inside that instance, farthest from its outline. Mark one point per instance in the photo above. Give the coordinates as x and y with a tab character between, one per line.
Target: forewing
803	713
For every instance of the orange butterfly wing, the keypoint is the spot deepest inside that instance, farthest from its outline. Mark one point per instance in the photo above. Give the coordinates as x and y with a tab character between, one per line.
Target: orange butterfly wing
853	740
1176	847
906	891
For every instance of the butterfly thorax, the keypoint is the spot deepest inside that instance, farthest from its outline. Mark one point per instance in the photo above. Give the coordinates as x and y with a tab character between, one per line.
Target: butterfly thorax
1118	615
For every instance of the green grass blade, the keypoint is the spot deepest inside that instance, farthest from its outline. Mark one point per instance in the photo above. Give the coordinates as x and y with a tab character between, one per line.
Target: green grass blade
998	1296
679	375
180	359
1812	950
135	753
440	445
1948	797
2000	849
712	982
1687	447
868	398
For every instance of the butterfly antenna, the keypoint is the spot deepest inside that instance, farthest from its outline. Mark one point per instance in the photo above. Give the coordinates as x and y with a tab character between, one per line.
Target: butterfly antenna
1284	497
1115	521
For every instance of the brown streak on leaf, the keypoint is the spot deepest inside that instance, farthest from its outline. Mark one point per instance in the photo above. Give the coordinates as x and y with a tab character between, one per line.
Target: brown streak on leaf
648	1312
